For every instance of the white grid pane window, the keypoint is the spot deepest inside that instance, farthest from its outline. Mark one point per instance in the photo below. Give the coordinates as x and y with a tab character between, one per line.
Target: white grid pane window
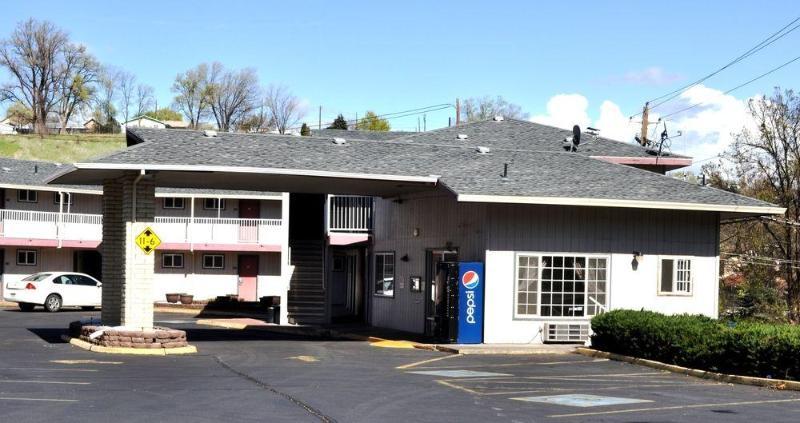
27	196
596	276
172	261
527	295
676	276
173	203
67	199
384	274
683	276
213	261
563	281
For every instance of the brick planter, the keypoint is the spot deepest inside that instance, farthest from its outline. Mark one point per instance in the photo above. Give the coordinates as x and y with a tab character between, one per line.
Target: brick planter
158	337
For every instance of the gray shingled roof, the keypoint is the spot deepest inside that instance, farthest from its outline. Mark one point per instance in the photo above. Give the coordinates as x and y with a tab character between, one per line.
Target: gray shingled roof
359	134
553	174
525	135
36	173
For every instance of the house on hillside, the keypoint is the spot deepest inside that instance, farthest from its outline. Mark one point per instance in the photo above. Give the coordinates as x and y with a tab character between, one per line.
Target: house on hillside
564	231
148	122
6	127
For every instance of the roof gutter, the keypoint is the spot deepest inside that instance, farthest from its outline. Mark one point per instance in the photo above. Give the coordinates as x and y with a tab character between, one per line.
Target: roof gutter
430	179
636	204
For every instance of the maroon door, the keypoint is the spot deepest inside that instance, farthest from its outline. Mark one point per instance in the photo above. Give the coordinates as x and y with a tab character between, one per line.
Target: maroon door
248	277
248	229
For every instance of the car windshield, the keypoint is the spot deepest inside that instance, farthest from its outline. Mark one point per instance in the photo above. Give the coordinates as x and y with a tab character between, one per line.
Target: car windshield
37	277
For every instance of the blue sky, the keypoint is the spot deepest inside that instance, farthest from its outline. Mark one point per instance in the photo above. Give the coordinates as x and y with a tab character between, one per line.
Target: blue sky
390	56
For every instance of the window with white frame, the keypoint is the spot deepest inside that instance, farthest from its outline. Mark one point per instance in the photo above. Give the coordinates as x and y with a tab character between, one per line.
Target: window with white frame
27	196
560	286
214	204
174	203
675	276
172	261
213	261
384	274
66	196
26	257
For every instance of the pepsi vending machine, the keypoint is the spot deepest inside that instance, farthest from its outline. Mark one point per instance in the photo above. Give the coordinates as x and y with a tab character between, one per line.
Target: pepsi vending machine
460	305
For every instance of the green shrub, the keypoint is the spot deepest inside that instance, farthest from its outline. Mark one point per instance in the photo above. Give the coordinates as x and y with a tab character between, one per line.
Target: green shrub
745	348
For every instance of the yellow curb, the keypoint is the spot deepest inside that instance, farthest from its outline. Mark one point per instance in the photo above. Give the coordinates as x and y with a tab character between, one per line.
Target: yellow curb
222	324
392	344
703	374
88	346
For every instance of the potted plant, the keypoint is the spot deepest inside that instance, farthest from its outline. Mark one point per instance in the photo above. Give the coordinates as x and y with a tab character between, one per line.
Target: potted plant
173	297
187	298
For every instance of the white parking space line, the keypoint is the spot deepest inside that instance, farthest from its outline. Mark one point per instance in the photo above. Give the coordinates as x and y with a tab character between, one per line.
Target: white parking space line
581	400
458	373
36	399
44	382
40	369
675	407
484	366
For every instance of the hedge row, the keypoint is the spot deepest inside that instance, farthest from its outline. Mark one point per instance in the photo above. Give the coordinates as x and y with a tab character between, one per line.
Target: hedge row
743	348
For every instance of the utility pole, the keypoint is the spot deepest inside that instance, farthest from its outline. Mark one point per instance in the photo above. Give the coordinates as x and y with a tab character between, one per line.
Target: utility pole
645	113
424	122
319	124
458	112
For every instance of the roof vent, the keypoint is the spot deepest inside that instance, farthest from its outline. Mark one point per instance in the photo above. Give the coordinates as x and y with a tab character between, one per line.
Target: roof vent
6	169
497	118
483	150
209	133
461	136
339	141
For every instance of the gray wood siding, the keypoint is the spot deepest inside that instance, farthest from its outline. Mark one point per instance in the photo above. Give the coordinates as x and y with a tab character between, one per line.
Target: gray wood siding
474	228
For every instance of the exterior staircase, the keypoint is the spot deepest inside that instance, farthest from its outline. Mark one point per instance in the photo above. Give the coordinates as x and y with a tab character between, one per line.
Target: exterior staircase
307	289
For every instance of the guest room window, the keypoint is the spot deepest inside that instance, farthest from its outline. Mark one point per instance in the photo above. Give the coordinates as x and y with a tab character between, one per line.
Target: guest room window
384	274
173	203
675	276
27	196
67	199
214	204
26	257
560	286
213	261
172	261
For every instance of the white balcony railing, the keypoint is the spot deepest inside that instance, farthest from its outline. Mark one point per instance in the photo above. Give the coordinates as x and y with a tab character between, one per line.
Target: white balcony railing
349	213
219	230
51	225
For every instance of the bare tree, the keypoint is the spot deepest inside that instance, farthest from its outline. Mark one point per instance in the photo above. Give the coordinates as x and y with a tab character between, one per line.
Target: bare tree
126	87
232	95
768	160
105	97
145	99
486	107
32	55
284	107
76	78
192	94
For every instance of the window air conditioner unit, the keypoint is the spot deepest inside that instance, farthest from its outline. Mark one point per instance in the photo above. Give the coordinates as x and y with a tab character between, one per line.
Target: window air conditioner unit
566	332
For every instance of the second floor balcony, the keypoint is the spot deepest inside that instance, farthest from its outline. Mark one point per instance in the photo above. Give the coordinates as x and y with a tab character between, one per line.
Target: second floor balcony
349	218
202	232
35	228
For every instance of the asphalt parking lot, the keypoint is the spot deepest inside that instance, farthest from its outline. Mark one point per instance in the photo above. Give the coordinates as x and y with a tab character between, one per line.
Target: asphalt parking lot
262	376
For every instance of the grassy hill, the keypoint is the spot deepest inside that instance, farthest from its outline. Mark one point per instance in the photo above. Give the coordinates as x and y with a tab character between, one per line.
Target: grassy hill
60	148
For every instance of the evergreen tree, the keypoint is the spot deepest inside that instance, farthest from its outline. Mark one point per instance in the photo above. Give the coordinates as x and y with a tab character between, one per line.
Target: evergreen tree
339	123
305	130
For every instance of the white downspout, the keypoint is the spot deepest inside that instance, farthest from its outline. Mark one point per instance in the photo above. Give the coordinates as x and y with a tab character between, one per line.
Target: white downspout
133	200
60	221
190	229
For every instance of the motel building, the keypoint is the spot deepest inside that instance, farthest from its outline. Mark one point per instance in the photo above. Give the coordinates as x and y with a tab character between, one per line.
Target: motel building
525	231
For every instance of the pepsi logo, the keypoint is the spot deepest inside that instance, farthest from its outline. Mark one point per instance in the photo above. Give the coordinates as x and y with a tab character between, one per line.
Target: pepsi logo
470	279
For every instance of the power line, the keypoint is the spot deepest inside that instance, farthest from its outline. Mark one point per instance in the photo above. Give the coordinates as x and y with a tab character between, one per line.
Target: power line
773	70
753	50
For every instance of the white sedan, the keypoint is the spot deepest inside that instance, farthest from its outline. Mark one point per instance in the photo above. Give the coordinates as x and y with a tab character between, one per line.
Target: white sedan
55	290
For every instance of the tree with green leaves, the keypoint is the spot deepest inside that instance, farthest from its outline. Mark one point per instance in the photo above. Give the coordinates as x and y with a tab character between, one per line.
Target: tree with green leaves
19	114
305	130
371	122
164	114
339	123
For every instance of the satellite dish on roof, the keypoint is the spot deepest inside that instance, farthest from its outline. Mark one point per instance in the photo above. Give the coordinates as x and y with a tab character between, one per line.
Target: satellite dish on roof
576	135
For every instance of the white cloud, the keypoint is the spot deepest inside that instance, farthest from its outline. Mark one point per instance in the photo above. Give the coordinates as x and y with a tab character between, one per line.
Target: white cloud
653	75
707	129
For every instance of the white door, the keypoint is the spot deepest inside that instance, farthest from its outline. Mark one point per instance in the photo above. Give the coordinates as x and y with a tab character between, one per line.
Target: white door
89	290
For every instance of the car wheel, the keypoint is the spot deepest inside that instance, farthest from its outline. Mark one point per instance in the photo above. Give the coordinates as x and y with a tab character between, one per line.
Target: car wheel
52	303
26	307
87	308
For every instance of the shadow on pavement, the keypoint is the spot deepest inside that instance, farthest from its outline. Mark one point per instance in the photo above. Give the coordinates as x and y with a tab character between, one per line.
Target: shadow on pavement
50	335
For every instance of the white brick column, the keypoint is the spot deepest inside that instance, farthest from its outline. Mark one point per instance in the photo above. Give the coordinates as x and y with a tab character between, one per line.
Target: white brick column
127	270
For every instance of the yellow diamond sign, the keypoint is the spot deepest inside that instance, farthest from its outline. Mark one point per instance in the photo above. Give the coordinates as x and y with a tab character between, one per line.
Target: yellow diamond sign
148	240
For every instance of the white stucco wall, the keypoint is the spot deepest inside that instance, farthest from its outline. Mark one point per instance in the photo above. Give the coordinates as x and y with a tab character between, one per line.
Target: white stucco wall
627	289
